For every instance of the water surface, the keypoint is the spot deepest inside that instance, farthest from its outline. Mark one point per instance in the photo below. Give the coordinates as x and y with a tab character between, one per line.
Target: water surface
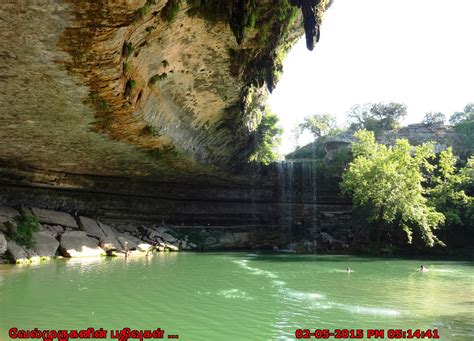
239	296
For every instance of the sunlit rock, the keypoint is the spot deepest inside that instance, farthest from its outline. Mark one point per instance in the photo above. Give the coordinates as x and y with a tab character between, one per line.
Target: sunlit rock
17	253
78	244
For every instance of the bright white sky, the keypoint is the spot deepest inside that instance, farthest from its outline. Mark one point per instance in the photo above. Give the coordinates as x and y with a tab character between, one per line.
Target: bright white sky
417	52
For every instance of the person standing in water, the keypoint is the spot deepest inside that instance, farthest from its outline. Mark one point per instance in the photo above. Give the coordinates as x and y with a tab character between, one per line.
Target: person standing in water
423	269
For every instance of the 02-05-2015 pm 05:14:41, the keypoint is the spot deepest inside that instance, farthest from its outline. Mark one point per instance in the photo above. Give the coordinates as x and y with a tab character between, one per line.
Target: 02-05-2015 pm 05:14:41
369	334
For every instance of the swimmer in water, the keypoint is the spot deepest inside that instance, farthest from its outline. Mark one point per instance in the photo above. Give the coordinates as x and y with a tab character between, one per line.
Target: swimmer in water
349	270
423	269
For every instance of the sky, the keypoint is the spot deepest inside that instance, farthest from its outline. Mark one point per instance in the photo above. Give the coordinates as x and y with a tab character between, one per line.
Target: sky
417	52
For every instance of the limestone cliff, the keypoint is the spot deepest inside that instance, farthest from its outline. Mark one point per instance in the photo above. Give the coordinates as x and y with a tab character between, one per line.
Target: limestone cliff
139	87
140	109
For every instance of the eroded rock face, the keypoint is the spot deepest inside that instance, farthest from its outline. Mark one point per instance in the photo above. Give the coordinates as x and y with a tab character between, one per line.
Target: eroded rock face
125	88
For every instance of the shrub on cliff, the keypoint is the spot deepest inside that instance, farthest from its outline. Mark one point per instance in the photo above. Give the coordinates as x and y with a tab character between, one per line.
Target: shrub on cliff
25	228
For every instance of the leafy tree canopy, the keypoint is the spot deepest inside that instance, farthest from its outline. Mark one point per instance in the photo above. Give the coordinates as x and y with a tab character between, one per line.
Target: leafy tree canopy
377	116
447	192
389	181
463	116
318	125
434	118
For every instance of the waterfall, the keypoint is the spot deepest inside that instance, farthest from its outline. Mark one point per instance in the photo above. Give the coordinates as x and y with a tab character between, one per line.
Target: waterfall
297	194
285	193
310	192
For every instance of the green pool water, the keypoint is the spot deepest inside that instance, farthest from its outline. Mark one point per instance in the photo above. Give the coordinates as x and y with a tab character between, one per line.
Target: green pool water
239	296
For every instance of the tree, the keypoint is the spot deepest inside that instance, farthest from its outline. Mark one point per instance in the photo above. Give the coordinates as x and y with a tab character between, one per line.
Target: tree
434	118
448	189
464	125
377	116
318	125
388	180
463	116
268	137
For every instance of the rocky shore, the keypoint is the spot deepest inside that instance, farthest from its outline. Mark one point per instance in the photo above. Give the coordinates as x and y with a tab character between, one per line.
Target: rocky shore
63	235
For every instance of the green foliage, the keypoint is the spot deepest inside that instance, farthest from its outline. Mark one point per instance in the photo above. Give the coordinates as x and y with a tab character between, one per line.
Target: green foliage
165	63
150	29
211	10
314	150
339	163
264	33
129	86
25	228
377	116
318	125
463	116
156	78
389	181
143	11
150	130
434	118
127	68
170	10
127	49
268	137
99	102
447	191
464	125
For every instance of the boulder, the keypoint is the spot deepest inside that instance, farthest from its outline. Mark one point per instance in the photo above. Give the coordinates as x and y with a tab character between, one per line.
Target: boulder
16	252
32	255
108	230
54	217
132	242
242	239
226	240
171	247
91	227
3	228
25	211
54	231
111	244
45	244
7	213
11	228
168	237
78	244
210	241
152	234
3	244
